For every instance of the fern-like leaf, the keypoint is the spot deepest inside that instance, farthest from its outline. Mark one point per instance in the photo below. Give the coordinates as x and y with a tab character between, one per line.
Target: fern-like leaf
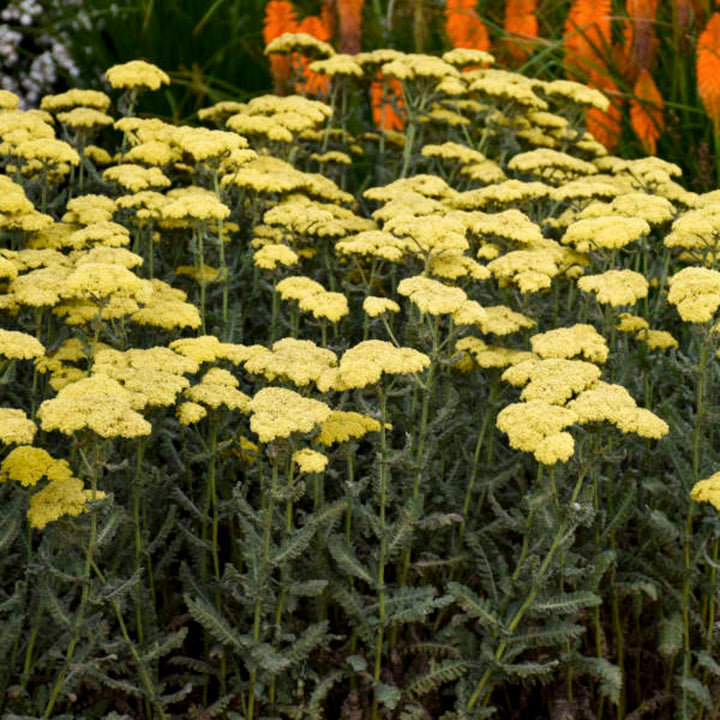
207	616
439	674
473	605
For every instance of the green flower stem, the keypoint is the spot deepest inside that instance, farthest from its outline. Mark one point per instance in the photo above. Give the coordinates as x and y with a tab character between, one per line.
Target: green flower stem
151	251
382	395
266	554
527	603
138	535
144	675
31	646
77	630
700	397
200	264
351	479
489	412
223	264
275	312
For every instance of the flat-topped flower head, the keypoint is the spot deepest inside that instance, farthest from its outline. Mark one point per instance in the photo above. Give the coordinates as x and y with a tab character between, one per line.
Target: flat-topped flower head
310	461
580	340
629	323
19	345
299	42
136	178
491	356
63	495
26	464
76	97
604	402
615	287
300	361
430	296
534	427
657	339
16	427
83	118
501	320
530	270
707	490
554	380
218	388
695	291
376	306
342	426
365	363
96	403
297	287
332	306
606	232
278	413
136	75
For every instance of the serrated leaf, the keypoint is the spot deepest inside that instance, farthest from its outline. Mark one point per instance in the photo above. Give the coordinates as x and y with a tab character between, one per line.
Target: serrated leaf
609	675
205	614
269	659
670	641
307	642
439	674
566	603
345	557
693	687
172	642
309	588
357	662
387	695
707	661
526	670
473	605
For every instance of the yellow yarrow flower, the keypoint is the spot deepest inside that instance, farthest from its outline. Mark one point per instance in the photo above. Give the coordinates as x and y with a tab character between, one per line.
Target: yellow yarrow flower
26	464
707	490
579	339
695	291
554	380
97	403
491	356
269	256
16	427
657	339
300	361
278	413
365	363
310	461
631	323
606	232
528	425
430	296
136	75
189	413
342	426
615	287
19	345
375	306
332	306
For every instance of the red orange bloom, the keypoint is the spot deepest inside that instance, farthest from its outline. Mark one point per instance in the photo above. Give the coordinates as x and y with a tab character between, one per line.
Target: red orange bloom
646	111
464	26
280	17
350	16
586	37
521	26
385	101
708	69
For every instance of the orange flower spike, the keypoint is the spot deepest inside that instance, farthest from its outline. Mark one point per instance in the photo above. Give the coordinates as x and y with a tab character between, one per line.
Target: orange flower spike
521	26
280	17
384	101
605	126
646	112
350	16
586	37
313	83
464	26
708	69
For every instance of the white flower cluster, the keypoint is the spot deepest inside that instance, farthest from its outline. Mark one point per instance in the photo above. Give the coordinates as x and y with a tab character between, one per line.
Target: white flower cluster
32	62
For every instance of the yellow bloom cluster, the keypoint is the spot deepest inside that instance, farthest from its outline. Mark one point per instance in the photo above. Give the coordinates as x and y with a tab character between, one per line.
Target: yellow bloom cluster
278	413
707	490
136	74
695	291
615	287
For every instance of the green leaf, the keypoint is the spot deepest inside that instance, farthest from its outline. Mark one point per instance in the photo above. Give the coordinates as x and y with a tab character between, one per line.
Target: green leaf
309	588
565	604
439	674
670	641
346	559
707	661
205	614
473	605
313	636
609	675
172	642
357	662
387	695
696	690
269	659
529	670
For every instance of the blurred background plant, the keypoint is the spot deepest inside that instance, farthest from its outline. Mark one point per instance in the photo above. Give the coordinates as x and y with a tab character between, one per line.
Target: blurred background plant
657	61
